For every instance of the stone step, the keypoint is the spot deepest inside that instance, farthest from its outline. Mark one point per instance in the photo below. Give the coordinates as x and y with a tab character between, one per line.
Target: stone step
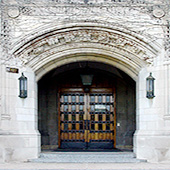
91	157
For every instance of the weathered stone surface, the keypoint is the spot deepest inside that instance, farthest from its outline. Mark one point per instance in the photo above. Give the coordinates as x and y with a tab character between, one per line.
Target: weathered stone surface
39	35
114	41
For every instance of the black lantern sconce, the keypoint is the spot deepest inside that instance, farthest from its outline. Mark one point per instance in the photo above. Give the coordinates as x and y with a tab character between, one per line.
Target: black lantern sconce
22	86
150	87
87	79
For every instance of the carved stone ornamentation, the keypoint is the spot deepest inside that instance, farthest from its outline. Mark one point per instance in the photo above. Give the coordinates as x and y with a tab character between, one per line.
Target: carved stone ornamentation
158	13
92	2
167	41
105	39
5	36
13	12
26	10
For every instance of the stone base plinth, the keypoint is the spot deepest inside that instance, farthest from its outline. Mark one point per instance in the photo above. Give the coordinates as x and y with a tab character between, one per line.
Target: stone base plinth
153	146
19	147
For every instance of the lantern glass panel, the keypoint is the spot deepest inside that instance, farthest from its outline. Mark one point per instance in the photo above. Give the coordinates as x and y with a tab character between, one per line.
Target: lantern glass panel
150	85
25	84
21	84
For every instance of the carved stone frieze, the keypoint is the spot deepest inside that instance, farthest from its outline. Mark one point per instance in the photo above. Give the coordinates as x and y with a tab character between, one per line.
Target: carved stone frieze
77	11
57	7
48	44
106	10
92	2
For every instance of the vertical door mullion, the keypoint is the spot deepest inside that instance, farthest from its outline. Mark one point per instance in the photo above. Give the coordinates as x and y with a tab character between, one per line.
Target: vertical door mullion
88	118
96	119
104	119
77	119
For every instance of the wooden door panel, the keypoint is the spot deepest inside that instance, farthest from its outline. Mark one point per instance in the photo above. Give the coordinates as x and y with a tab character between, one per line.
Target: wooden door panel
87	120
71	120
102	120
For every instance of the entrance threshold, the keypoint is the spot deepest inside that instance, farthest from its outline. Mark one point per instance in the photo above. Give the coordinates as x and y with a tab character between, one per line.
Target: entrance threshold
87	157
87	150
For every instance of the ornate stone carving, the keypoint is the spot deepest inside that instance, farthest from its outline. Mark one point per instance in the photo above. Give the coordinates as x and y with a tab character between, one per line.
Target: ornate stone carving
13	12
5	36
167	40
26	10
92	2
72	11
112	40
158	13
124	16
56	7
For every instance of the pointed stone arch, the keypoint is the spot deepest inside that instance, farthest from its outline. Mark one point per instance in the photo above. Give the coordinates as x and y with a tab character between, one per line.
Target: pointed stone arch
78	42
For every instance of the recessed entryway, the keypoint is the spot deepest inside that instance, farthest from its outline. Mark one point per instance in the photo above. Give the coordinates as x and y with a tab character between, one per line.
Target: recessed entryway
77	116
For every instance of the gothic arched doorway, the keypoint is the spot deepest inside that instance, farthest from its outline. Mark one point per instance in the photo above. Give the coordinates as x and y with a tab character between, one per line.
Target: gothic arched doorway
96	116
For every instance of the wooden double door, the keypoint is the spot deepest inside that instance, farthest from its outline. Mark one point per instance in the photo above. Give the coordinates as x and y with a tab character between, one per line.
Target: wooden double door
87	120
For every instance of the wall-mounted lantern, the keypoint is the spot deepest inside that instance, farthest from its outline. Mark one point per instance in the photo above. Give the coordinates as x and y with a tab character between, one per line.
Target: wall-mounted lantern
87	79
150	87
22	86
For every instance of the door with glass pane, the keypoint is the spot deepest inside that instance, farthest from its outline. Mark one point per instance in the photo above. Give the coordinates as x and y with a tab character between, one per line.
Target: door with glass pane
102	121
87	120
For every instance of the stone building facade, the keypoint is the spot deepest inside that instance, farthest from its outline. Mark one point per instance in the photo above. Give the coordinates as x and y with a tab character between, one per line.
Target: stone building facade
51	42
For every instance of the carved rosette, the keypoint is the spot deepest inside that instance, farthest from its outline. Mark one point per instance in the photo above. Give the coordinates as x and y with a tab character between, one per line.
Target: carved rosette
57	42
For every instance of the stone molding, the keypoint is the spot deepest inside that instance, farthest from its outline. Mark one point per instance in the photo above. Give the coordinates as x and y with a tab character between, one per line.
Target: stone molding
96	37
